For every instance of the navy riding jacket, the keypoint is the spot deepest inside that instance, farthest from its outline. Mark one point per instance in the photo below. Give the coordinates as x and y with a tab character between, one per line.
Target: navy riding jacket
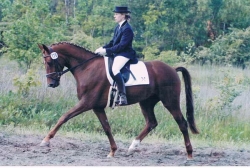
121	44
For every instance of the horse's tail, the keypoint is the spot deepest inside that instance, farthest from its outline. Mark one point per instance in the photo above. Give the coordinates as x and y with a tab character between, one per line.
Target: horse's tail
189	99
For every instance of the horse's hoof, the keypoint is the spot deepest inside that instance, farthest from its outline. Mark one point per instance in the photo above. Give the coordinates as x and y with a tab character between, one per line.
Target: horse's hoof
130	152
135	144
44	144
110	156
189	158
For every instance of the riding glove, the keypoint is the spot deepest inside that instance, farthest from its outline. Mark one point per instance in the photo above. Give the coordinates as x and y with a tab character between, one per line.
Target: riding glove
101	51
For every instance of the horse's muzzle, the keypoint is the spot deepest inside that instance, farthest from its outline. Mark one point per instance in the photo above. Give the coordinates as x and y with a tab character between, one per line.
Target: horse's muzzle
53	85
53	80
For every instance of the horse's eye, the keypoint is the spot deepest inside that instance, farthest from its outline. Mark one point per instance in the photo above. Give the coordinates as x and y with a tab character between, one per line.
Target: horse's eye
48	63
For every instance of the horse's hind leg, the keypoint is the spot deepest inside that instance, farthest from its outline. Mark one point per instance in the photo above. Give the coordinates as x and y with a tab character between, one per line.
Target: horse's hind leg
147	108
100	113
182	123
173	105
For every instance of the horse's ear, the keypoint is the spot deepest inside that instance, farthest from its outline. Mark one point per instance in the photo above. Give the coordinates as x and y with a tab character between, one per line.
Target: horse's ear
43	47
46	48
40	46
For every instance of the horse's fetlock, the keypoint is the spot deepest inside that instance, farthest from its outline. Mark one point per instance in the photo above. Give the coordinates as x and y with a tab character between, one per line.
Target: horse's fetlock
155	125
152	125
113	149
108	133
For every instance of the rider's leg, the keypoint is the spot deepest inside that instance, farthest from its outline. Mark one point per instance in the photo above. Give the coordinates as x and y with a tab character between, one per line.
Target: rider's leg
119	62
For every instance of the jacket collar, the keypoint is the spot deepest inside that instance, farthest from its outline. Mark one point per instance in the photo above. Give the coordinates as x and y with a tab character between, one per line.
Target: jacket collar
122	24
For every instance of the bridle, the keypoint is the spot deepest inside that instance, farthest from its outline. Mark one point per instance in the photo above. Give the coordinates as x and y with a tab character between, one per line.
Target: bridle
57	74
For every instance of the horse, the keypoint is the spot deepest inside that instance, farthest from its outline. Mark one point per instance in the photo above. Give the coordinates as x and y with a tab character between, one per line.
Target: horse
88	69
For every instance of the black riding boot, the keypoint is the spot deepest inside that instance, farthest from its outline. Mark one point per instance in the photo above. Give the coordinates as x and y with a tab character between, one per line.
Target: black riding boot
122	100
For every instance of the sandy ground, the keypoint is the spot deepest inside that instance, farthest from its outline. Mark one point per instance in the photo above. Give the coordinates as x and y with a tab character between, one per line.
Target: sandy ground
24	150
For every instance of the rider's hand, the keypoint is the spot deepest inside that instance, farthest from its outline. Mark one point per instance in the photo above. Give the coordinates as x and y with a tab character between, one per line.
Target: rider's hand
101	51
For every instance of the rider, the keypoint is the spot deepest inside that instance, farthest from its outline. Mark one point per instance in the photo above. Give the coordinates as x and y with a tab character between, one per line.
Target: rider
120	47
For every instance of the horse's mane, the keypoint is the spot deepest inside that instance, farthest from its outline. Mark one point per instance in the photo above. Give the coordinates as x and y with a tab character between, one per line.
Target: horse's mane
69	43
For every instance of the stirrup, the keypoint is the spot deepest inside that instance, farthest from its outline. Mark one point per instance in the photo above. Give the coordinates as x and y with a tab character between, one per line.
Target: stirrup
122	100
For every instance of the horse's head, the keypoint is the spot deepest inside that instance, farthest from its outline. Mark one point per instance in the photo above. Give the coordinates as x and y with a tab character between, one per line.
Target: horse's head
53	65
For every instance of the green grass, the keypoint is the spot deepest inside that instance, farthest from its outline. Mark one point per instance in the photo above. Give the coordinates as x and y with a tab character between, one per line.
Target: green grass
41	109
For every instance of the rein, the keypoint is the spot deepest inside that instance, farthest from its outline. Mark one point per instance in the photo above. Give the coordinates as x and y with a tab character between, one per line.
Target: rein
71	69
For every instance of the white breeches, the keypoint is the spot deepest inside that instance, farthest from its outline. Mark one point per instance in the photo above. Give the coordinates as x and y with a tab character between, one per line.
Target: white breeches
119	62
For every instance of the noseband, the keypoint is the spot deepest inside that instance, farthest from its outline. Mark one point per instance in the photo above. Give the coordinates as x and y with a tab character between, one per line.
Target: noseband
57	74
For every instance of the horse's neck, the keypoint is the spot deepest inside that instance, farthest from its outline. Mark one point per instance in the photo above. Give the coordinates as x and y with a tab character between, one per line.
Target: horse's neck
79	57
72	52
91	72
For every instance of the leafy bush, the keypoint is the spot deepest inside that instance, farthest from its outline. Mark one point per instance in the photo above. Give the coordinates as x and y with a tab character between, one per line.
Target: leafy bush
230	49
18	110
25	82
169	57
153	53
230	87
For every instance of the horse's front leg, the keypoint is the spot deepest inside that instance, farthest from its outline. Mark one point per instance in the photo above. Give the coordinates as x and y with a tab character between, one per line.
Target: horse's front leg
100	113
77	109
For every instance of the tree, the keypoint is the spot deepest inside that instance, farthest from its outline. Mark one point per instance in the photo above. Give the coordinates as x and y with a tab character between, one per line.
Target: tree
230	49
159	25
31	23
229	13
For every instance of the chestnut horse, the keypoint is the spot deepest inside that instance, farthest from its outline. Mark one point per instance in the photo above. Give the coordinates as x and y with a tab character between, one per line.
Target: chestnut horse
93	86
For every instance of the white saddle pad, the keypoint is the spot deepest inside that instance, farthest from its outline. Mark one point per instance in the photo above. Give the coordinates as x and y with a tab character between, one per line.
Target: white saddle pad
139	70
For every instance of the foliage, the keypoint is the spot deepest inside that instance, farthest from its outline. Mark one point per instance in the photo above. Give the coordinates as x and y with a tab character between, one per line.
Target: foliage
231	49
169	57
217	117
25	82
31	24
166	30
150	53
18	110
83	39
161	25
229	87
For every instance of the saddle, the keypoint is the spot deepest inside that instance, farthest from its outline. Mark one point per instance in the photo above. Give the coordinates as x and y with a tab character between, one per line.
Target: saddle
125	71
